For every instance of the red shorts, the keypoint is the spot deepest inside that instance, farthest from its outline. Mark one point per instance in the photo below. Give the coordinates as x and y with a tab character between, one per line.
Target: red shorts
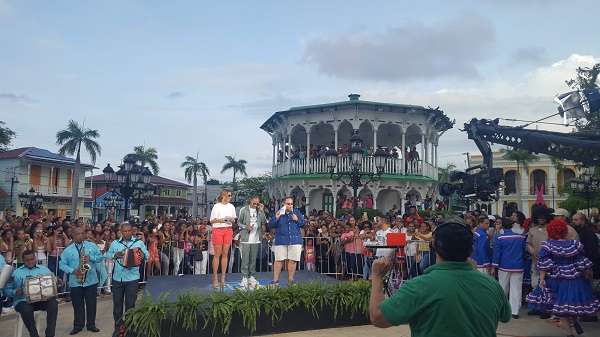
222	236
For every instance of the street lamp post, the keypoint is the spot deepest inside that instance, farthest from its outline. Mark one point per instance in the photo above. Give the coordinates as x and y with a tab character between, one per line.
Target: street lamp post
552	187
113	202
133	183
587	186
13	180
32	201
354	176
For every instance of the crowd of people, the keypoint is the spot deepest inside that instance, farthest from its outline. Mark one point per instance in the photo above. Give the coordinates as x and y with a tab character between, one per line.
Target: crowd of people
514	250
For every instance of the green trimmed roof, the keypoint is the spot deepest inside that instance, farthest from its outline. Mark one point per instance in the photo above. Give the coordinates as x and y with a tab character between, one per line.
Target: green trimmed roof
352	102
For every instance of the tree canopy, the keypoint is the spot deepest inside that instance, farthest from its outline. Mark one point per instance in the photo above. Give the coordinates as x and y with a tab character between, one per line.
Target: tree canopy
6	136
145	156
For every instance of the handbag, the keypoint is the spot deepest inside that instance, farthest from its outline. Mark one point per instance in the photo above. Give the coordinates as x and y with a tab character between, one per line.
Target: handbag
198	256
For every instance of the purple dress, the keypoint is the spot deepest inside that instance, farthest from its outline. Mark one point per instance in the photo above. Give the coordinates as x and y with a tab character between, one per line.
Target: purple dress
568	293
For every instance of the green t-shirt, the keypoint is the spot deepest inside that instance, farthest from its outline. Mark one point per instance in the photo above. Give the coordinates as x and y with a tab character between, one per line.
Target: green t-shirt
450	299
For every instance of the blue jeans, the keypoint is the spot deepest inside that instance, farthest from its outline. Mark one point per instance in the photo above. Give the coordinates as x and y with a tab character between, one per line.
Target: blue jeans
426	262
366	267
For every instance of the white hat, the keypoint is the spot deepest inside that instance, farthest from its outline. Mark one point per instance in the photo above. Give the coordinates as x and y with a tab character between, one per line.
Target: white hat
561	211
491	217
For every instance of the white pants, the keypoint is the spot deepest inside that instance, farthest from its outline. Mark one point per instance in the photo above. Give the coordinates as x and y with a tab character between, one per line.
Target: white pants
177	259
200	266
512	284
483	270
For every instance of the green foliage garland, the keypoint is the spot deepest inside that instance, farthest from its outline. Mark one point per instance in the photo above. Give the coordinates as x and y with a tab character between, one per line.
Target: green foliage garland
218	308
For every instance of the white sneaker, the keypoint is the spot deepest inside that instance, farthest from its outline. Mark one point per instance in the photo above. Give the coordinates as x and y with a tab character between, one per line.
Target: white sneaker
253	282
244	283
7	310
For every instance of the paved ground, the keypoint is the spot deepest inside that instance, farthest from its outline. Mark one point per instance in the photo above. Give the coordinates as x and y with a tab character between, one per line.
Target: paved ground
525	326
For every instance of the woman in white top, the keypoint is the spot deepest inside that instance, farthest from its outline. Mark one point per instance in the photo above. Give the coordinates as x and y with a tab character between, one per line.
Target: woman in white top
222	218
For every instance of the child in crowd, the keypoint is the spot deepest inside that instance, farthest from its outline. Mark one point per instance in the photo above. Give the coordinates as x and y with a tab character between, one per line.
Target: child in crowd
309	255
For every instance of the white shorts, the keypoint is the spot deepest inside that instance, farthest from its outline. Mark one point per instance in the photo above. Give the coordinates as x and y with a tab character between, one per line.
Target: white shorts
291	252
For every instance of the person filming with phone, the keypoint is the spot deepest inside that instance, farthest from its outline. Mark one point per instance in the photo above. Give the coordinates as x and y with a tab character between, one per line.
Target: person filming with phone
288	240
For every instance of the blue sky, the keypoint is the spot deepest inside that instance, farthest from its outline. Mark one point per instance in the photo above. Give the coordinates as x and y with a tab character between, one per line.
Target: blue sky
189	76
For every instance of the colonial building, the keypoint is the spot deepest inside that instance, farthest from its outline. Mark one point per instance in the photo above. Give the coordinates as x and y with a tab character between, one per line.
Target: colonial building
301	135
542	180
45	173
167	198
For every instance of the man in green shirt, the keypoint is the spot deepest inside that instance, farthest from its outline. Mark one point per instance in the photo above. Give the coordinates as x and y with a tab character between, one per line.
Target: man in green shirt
450	299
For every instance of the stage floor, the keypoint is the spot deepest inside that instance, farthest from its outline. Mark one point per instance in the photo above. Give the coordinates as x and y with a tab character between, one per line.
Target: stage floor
202	283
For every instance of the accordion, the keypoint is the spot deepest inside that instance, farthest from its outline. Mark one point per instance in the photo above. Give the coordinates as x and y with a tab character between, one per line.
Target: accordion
131	258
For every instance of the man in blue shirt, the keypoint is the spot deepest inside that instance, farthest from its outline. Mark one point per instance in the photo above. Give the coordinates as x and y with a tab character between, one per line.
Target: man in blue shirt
82	292
288	240
509	248
15	289
483	252
125	280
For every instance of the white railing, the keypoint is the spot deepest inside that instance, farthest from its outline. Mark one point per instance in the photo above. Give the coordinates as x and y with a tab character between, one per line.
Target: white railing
53	191
319	165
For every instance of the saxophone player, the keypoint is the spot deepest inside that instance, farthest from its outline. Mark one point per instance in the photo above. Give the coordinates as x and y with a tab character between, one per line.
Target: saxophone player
78	260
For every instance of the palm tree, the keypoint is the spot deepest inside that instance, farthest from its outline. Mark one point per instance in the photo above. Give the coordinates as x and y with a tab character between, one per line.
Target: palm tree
236	166
146	156
523	158
444	172
71	139
192	168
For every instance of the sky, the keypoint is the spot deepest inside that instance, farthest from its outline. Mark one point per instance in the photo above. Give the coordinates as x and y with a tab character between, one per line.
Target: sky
199	77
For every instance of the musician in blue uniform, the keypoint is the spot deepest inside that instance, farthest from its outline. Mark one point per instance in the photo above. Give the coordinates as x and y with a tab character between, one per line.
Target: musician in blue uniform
125	279
83	295
483	252
509	249
15	289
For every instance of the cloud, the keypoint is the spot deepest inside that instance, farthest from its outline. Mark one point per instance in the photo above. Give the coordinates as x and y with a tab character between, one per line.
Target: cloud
174	94
529	54
411	51
15	98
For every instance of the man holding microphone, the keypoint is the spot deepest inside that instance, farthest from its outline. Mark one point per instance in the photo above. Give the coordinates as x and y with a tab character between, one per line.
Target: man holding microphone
288	240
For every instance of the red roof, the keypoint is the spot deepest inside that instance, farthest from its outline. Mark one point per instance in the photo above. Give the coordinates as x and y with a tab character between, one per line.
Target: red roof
3	194
13	153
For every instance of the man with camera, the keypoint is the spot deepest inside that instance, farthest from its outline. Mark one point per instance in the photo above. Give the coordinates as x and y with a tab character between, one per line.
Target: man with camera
452	287
125	278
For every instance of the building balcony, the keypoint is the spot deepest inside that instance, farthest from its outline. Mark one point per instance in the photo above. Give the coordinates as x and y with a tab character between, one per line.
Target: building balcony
393	166
53	191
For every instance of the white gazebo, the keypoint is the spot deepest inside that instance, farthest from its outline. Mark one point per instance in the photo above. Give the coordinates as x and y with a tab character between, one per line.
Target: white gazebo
301	135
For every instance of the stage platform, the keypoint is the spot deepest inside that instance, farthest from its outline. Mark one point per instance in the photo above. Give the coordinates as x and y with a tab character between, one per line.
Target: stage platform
172	284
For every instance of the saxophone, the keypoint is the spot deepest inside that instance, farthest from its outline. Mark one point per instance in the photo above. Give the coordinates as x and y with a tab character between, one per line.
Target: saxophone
83	266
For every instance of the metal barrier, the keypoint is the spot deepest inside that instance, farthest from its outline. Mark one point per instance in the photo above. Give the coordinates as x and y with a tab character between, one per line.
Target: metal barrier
328	257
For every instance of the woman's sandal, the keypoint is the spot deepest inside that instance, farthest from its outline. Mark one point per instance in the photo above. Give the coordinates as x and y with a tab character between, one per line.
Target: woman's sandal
216	283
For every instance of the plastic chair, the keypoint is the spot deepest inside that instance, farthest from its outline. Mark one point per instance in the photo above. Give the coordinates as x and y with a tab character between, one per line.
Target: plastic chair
39	316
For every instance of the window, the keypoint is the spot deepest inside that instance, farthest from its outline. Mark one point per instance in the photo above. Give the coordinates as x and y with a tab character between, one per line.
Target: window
510	182
178	193
167	192
537	181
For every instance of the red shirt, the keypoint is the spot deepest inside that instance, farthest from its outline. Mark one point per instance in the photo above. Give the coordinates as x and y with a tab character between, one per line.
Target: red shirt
410	218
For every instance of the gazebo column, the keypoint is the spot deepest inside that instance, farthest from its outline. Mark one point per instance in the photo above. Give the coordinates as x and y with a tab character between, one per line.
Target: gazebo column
403	168
308	150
